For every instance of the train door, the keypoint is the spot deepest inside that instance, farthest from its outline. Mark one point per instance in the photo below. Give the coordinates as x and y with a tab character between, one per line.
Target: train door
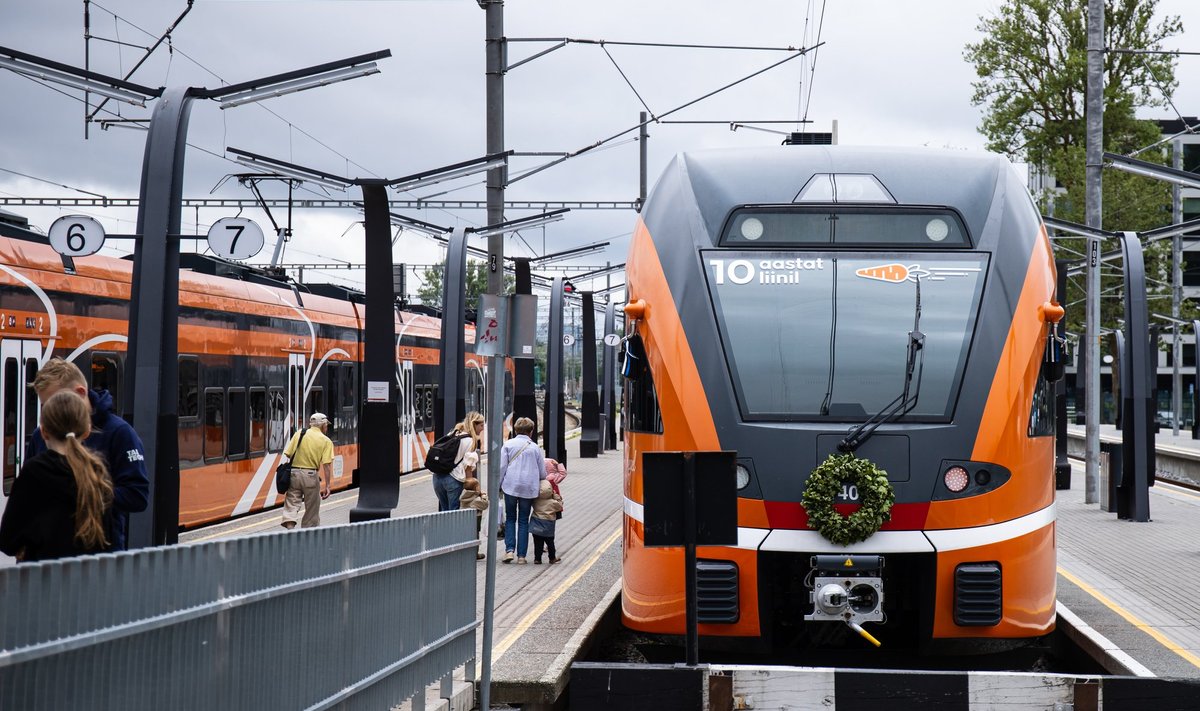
18	406
407	418
295	390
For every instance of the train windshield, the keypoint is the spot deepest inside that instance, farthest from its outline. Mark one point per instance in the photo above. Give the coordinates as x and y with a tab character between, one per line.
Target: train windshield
824	335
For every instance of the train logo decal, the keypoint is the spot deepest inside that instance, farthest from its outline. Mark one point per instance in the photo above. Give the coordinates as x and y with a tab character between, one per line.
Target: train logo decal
897	273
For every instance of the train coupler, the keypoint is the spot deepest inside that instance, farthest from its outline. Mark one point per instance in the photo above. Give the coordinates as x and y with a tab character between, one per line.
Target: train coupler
848	589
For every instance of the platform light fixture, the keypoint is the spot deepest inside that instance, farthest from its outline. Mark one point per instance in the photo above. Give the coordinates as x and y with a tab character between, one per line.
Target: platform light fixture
1152	170
1077	229
110	87
449	172
291	87
412	223
521	223
262	163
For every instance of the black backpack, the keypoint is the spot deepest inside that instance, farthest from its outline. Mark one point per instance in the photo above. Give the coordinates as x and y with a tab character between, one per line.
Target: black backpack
443	454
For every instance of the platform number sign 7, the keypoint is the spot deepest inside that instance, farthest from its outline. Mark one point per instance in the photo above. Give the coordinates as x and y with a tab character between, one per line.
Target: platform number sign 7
76	235
235	238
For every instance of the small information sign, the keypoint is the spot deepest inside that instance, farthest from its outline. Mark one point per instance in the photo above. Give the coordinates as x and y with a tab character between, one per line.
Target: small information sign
76	235
611	339
377	391
568	339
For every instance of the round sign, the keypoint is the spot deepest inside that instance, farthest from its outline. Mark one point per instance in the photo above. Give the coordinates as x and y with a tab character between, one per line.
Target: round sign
235	238
611	339
568	339
76	235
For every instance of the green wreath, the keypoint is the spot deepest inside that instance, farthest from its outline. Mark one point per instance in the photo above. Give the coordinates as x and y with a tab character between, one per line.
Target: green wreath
826	482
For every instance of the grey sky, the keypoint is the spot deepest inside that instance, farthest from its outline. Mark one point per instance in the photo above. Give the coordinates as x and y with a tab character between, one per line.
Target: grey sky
889	73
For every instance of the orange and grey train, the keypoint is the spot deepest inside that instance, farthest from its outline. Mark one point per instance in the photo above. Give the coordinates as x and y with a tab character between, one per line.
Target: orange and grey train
257	356
801	301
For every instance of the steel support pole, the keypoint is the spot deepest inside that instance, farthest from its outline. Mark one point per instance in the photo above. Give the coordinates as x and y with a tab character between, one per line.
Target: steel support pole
151	367
1138	435
449	406
524	401
1176	293
379	428
643	135
609	371
1095	164
555	437
589	440
495	67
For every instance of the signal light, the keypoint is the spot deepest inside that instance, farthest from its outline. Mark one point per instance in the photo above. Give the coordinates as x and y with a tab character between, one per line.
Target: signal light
956	479
568	287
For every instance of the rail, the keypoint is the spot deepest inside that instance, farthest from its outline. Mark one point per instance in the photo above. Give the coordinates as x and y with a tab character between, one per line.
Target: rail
364	615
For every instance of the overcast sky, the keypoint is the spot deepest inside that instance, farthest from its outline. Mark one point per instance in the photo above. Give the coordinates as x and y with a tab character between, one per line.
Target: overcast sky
889	73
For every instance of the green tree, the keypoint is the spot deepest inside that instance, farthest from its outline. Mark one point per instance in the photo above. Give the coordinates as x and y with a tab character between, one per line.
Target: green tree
430	292
1032	68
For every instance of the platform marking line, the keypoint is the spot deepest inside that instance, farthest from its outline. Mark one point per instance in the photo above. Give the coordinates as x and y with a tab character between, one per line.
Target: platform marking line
1129	617
527	621
335	504
1168	489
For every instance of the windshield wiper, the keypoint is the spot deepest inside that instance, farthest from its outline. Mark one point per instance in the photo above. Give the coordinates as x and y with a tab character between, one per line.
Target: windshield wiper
832	341
903	403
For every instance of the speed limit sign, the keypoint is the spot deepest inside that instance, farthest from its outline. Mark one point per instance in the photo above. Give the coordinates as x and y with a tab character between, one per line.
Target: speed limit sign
76	235
235	238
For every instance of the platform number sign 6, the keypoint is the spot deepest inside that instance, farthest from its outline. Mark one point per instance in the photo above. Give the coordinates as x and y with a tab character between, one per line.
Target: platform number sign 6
76	235
235	238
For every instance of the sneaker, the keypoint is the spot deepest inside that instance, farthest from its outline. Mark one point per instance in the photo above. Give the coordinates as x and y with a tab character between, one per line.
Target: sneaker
521	561
508	556
555	560
537	561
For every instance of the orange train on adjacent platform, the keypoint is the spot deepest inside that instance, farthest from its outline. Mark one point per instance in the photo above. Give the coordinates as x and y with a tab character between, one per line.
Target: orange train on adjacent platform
256	356
792	303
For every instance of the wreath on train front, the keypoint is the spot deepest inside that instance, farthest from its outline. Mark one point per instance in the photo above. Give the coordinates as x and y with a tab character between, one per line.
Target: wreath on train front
826	482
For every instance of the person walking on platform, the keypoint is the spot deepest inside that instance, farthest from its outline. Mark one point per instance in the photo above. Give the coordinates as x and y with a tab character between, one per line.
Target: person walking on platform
546	509
449	487
60	502
309	451
112	438
522	467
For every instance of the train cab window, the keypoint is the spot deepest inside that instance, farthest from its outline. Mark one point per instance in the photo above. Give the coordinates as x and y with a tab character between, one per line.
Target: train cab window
813	226
189	387
106	375
214	424
237	428
276	433
1041	411
258	420
641	401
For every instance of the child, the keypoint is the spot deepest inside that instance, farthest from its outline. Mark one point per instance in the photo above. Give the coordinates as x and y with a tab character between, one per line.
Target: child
546	508
473	498
60	504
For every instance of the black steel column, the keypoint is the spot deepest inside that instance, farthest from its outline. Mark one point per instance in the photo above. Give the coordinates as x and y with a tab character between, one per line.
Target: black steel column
1120	378
1196	379
1081	380
1062	465
589	440
379	428
555	441
1138	437
151	366
451	370
524	400
608	402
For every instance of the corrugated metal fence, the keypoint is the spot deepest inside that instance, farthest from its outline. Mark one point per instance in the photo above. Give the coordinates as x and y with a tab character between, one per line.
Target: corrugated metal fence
362	616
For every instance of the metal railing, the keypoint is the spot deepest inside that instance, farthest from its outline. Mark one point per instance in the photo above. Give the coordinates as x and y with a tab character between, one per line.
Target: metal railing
358	616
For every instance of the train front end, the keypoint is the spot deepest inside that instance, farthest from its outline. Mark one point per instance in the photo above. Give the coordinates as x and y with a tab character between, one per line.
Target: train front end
796	303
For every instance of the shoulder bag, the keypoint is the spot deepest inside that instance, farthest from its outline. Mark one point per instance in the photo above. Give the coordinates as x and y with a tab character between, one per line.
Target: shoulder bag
283	472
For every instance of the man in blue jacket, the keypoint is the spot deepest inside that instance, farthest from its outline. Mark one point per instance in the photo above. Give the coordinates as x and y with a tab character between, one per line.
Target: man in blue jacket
112	438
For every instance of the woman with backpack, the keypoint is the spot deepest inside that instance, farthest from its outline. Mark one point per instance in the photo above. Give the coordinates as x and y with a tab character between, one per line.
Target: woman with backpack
449	486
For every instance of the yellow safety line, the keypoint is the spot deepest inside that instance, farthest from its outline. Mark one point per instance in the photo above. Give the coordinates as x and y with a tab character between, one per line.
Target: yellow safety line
527	621
1131	619
1176	491
267	524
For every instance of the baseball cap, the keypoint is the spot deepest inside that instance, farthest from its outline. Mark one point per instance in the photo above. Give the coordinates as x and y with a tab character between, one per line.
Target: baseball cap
317	418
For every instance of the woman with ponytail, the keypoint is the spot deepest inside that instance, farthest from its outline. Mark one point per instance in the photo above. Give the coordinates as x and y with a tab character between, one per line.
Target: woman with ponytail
60	502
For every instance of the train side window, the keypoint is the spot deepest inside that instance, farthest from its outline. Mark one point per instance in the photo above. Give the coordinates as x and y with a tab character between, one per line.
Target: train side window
418	408
106	375
31	403
276	435
641	401
189	387
214	424
430	400
347	373
335	416
315	402
258	420
1041	411
9	455
237	427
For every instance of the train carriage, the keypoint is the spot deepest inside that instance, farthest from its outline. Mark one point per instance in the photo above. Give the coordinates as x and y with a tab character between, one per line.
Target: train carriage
805	301
256	356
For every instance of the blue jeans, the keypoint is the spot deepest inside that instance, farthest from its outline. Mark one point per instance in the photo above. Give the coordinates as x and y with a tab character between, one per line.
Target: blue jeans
448	490
516	510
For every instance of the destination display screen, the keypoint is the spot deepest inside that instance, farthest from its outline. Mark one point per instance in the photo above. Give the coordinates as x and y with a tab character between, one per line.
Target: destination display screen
792	225
825	335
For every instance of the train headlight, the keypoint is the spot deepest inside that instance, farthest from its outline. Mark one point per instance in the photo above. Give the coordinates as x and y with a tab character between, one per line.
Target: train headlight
937	229
956	479
743	476
752	228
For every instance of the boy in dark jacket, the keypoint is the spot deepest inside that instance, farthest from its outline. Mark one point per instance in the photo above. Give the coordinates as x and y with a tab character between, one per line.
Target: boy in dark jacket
112	438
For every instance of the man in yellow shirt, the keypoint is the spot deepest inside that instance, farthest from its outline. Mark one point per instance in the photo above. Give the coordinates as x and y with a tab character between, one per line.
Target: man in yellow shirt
313	452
